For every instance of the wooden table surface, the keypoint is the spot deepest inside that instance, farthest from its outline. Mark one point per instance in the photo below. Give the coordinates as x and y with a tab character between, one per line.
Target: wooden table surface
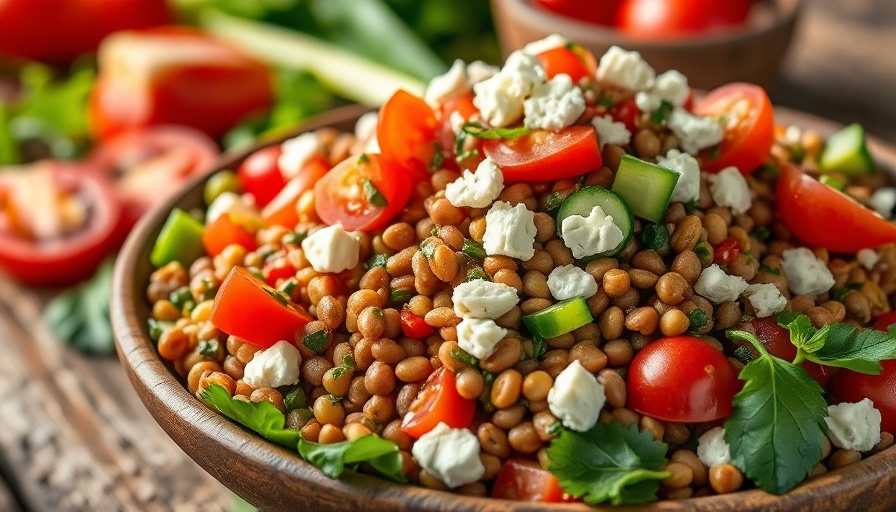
74	435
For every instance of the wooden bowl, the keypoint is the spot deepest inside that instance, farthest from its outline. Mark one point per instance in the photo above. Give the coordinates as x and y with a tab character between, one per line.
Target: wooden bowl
275	479
752	53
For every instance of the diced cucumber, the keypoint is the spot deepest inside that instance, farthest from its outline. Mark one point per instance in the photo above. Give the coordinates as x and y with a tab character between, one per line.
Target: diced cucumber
846	152
646	187
558	319
582	201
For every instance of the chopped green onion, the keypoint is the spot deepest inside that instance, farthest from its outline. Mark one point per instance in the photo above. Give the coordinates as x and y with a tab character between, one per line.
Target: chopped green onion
288	286
560	318
377	312
473	249
761	233
539	347
554	200
374	196
276	295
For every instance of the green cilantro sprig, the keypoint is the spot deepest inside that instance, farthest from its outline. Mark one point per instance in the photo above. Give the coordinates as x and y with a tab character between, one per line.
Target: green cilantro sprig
838	345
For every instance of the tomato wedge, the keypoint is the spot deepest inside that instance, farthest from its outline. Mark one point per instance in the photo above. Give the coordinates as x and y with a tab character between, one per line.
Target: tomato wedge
406	133
362	193
223	232
524	480
749	126
281	210
571	59
544	155
249	309
438	402
260	174
821	216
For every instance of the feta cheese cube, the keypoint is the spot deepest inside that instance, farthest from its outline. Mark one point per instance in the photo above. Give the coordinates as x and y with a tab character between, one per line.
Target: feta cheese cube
568	281
717	286
332	249
712	449
448	86
766	299
576	398
883	201
806	274
449	454
626	70
729	188
509	231
688	186
477	71
297	151
854	426
496	104
868	258
524	71
671	86
477	189
273	367
610	131
236	205
594	234
548	43
554	105
479	336
694	132
483	299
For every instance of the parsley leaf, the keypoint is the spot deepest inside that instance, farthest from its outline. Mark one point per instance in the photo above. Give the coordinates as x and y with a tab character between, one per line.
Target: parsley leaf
473	249
374	196
839	344
262	417
610	462
380	453
776	432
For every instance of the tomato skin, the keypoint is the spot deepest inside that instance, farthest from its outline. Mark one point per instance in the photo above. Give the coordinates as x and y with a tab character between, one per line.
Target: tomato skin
406	132
748	141
260	174
851	386
660	19
243	308
524	480
340	196
682	379
820	216
599	12
573	60
883	321
726	251
438	402
276	269
281	210
223	232
65	261
543	155
776	340
414	326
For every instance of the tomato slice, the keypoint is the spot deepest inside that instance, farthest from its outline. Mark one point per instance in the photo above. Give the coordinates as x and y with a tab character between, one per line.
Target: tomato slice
749	126
524	480
223	232
58	221
249	309
438	402
821	216
682	379
544	155
260	174
572	59
406	133
362	193
281	210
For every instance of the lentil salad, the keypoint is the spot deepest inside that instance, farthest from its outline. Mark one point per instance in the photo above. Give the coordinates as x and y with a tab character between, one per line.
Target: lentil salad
375	338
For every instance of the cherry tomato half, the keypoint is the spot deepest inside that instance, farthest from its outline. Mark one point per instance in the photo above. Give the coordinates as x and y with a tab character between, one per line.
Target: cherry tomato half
883	321
572	59
749	126
362	192
223	232
821	216
682	379
438	402
260	175
661	19
406	133
58	221
544	155
524	480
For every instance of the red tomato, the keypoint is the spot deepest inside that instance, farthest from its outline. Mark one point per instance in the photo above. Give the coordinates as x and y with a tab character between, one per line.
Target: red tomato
438	402
58	221
659	19
406	133
543	155
58	31
524	480
571	59
883	321
247	308
260	174
223	232
850	386
461	106
682	379
281	210
414	326
776	340
277	268
727	250
749	126
157	159
821	216
175	75
626	112
344	194
600	12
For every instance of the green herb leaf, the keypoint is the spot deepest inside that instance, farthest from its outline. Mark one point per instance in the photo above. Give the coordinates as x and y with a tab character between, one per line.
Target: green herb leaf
803	334
770	270
477	273
363	159
610	462
208	347
861	351
655	237
658	116
181	297
332	459
477	130
374	196
79	317
295	399
473	249
554	200
464	357
262	417
293	238
428	246
156	328
316	341
698	319
438	158
276	295
401	295
348	365
377	260
539	347
605	101
704	252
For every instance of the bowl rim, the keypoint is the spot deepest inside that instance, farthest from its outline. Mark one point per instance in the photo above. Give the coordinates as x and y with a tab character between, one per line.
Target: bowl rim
187	420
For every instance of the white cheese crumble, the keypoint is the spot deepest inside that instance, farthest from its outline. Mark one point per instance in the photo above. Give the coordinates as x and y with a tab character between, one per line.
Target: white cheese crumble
273	367
449	454
610	131
854	426
806	274
594	234
509	231
576	398
712	449
548	43
236	205
717	286
729	188
766	299
554	105
479	336
331	249
868	258
883	201
477	189
446	87
694	132
624	69
671	86
483	299
568	281
500	98
477	71
688	186
525	72
297	151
